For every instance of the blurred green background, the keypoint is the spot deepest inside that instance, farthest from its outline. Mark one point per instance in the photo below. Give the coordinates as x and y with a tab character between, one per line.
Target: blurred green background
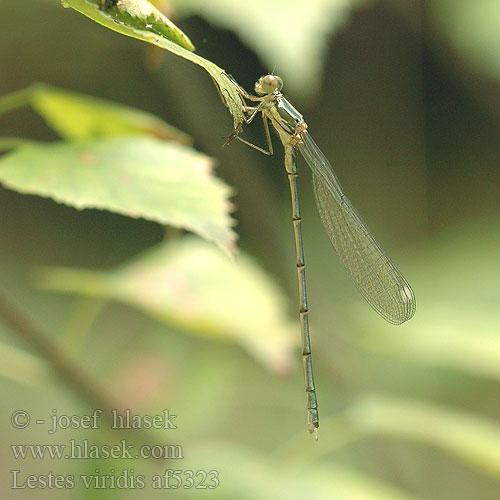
404	99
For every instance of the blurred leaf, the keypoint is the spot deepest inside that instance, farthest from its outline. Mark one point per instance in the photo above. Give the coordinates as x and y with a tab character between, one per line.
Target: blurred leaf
191	285
474	30
463	343
7	143
249	475
283	33
21	366
137	176
79	324
470	438
76	116
139	19
458	317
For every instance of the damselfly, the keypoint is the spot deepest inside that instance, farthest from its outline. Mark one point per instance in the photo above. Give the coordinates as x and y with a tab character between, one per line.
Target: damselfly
376	277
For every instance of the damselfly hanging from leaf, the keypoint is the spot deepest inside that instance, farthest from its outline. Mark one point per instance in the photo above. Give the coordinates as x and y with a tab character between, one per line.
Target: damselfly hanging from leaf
376	277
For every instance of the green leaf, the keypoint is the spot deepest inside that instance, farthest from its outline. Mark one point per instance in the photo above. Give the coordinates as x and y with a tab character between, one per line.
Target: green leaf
189	284
470	438
284	34
137	176
77	116
139	15
139	19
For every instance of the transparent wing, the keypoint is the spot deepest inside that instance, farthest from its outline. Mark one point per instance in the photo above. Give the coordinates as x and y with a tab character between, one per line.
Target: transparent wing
376	277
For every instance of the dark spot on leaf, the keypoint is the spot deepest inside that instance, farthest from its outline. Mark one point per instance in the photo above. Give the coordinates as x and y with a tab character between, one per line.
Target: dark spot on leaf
108	4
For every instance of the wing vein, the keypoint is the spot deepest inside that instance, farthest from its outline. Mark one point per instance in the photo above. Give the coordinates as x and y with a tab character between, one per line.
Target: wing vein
377	278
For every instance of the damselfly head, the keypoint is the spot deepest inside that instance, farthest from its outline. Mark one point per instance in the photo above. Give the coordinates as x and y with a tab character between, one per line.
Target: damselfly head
268	84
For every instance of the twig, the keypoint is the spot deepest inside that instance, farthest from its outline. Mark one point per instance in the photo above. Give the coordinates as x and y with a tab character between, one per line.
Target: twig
70	373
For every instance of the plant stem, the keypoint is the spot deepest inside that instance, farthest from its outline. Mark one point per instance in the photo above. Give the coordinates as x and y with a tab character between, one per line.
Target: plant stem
67	368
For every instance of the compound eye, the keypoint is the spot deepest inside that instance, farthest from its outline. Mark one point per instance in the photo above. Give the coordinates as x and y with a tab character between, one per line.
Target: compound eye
268	84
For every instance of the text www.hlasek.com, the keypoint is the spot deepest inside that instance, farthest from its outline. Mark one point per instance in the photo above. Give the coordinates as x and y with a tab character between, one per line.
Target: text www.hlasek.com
85	450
